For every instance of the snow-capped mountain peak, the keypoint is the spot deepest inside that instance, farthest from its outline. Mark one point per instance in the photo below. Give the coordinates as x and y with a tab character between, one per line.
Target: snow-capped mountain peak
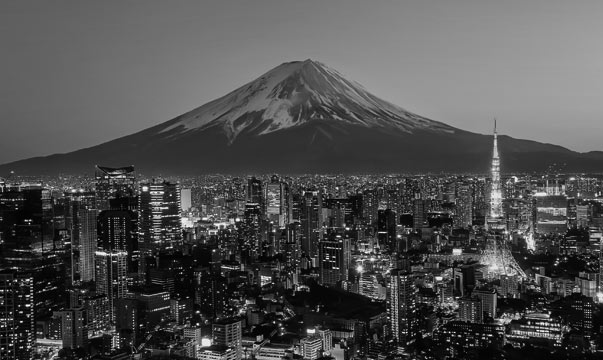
293	94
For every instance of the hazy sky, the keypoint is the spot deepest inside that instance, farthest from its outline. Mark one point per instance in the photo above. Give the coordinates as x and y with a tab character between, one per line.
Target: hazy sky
78	73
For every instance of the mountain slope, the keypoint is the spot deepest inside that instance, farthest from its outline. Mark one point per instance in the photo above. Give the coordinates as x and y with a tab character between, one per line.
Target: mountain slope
305	117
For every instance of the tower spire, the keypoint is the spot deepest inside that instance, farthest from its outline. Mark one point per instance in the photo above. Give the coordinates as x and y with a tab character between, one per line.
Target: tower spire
496	193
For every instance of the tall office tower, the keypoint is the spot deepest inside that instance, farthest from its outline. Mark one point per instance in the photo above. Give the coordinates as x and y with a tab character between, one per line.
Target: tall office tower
88	242
211	293
393	200
113	183
418	212
334	260
464	206
489	301
27	234
470	309
252	231
26	215
159	216
480	200
185	199
111	277
311	222
17	326
77	201
370	205
117	231
386	229
340	212
228	332
402	307
254	191
276	209
74	329
355	208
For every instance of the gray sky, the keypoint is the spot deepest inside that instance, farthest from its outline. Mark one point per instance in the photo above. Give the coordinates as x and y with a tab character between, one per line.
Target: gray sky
78	73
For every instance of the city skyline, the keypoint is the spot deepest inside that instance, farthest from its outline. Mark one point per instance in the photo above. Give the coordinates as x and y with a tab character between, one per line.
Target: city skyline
81	74
301	180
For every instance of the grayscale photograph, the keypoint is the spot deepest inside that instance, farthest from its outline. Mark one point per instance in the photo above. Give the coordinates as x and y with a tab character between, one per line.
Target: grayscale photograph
301	179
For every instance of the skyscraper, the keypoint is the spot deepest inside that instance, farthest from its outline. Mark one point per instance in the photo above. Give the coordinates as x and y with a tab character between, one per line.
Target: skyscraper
276	209
159	215
464	205
73	326
117	231
17	330
113	183
334	260
402	307
311	222
78	202
386	229
88	243
254	191
418	212
111	277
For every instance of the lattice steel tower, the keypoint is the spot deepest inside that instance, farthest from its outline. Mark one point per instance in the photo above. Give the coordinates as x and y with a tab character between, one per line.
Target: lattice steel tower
497	255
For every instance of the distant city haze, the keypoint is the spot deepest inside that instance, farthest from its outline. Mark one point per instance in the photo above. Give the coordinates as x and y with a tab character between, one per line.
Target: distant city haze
79	73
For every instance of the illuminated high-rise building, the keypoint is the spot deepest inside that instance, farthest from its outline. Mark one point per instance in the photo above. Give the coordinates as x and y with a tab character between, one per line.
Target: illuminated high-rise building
27	234
254	191
311	222
334	260
113	183
386	229
276	205
74	329
17	326
88	242
79	203
402	307
111	277
26	214
418	212
117	231
464	206
159	216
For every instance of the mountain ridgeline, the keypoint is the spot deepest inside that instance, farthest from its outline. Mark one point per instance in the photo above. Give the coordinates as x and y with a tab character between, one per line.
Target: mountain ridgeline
304	117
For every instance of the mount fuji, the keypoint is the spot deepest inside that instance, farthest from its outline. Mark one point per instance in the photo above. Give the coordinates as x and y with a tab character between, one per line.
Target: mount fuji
303	117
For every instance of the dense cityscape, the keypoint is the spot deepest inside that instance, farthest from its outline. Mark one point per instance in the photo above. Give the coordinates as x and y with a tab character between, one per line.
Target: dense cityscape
119	265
